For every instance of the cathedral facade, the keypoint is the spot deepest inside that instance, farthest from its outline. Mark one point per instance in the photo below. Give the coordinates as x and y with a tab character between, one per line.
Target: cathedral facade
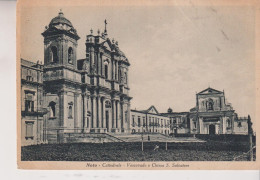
90	95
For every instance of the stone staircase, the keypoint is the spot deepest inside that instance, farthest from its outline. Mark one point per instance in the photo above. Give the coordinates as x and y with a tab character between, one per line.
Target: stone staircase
154	138
91	138
111	137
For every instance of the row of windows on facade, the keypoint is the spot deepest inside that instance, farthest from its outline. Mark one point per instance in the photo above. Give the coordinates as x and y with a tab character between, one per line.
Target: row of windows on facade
152	122
175	120
54	55
151	130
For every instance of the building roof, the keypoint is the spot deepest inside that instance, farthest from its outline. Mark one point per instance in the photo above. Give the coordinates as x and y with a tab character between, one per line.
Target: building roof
210	91
31	64
176	113
60	19
61	25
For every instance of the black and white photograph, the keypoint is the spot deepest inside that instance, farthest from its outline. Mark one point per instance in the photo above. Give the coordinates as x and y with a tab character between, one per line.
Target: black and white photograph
137	86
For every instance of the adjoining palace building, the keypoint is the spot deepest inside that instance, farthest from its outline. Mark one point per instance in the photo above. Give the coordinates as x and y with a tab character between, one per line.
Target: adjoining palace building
149	121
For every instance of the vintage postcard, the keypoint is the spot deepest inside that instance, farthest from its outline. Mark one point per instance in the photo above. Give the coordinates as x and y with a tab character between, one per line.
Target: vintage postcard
138	85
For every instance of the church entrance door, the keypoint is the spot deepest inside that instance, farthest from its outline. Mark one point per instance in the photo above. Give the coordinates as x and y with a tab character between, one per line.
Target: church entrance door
212	129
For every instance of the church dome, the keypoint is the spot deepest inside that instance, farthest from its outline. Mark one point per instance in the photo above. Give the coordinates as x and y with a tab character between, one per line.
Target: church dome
60	19
60	25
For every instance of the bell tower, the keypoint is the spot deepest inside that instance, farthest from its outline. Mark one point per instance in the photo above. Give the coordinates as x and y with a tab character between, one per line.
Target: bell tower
60	43
62	81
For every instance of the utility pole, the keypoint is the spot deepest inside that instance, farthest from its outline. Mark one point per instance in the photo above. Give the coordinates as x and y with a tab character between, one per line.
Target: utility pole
250	133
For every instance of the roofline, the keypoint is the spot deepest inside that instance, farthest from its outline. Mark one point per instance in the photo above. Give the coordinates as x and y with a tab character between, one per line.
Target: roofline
210	88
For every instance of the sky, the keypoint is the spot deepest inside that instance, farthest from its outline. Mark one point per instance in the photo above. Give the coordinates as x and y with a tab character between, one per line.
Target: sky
174	51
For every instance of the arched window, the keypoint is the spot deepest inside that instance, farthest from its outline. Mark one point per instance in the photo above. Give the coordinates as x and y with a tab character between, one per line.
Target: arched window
52	109
54	54
70	111
70	55
210	104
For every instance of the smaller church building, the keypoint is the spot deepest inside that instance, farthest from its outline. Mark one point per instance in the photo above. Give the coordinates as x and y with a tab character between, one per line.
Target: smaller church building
214	115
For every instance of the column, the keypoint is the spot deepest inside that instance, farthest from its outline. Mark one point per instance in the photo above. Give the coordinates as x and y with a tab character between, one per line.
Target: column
94	112
102	112
61	116
99	112
92	60
76	112
61	109
201	126
85	111
98	64
221	125
101	64
114	110
224	125
110	116
104	116
113	114
122	114
117	126
116	71
88	108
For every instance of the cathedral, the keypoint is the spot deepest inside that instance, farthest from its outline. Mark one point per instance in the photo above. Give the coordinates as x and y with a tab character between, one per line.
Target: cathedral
68	99
90	95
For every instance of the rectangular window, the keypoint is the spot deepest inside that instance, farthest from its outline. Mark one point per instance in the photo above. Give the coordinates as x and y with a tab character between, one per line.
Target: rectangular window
139	121
29	101
29	130
143	121
133	121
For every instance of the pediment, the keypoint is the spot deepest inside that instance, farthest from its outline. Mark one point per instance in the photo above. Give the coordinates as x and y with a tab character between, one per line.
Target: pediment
152	110
107	45
210	91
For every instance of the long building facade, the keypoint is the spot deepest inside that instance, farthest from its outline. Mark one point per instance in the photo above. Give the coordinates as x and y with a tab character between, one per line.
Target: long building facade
149	121
66	97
